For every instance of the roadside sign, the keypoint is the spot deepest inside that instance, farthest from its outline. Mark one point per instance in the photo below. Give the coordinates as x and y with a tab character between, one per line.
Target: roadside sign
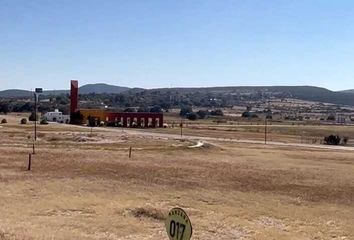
39	90
178	225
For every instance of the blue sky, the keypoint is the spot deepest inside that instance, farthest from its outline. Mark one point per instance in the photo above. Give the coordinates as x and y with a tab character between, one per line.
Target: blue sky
164	43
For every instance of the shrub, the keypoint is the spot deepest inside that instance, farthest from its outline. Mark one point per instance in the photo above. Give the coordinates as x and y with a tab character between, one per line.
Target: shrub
76	118
3	121
332	140
217	112
33	117
129	110
249	115
331	118
156	109
92	122
185	111
23	121
192	116
202	114
143	109
44	121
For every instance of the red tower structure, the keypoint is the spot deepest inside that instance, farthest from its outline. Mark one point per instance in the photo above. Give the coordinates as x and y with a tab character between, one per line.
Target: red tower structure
74	90
125	119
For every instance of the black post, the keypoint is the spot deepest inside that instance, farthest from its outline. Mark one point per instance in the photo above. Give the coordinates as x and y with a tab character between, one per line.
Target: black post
265	131
130	152
34	152
181	125
29	162
35	117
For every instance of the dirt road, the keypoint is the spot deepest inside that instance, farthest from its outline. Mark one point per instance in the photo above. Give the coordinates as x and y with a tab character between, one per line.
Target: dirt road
191	137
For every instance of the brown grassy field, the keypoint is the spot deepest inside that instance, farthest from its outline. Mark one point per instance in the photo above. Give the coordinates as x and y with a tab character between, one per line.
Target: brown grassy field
83	185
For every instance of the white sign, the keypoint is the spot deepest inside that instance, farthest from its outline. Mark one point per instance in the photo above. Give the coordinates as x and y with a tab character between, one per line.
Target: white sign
178	225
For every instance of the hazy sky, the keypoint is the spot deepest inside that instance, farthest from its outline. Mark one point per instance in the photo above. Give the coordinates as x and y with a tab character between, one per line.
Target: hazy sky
164	43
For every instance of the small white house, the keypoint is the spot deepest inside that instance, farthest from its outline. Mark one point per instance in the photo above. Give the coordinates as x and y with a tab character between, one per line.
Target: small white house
57	116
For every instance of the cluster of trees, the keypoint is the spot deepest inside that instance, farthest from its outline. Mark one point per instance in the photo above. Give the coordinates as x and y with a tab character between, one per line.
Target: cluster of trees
13	105
154	109
4	108
169	98
188	113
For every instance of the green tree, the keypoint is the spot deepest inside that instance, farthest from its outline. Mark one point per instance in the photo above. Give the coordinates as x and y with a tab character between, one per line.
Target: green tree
156	109
4	108
76	118
331	118
33	117
185	111
92	121
192	116
202	114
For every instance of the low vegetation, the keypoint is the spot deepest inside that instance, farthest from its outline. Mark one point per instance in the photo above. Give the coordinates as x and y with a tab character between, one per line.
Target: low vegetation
23	121
44	122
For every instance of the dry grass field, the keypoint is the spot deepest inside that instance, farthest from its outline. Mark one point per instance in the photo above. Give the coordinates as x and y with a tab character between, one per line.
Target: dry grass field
83	185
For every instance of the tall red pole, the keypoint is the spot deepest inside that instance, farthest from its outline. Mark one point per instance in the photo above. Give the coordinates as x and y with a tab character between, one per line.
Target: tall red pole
74	90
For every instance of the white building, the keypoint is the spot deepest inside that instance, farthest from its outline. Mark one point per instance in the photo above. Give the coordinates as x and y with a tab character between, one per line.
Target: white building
57	116
340	118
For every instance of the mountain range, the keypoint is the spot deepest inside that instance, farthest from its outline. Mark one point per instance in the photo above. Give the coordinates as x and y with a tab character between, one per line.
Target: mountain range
308	93
85	89
348	91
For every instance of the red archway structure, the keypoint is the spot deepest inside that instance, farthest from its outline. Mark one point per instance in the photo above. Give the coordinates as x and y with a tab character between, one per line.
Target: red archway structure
130	119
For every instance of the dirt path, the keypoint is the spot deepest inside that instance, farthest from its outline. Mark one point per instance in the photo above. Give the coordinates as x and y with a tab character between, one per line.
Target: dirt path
144	132
190	137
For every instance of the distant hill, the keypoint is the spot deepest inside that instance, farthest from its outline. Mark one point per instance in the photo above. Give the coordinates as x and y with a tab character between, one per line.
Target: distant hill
348	91
101	88
85	89
308	93
15	93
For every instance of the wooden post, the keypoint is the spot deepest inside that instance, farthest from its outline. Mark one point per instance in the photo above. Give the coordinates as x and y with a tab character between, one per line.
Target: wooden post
130	152
29	162
33	148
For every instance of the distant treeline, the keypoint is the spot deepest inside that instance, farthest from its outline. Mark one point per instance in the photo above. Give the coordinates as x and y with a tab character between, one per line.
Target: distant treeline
141	101
27	105
167	98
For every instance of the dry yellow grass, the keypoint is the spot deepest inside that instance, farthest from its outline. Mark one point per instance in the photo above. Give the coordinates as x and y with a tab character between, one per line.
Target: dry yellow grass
84	186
